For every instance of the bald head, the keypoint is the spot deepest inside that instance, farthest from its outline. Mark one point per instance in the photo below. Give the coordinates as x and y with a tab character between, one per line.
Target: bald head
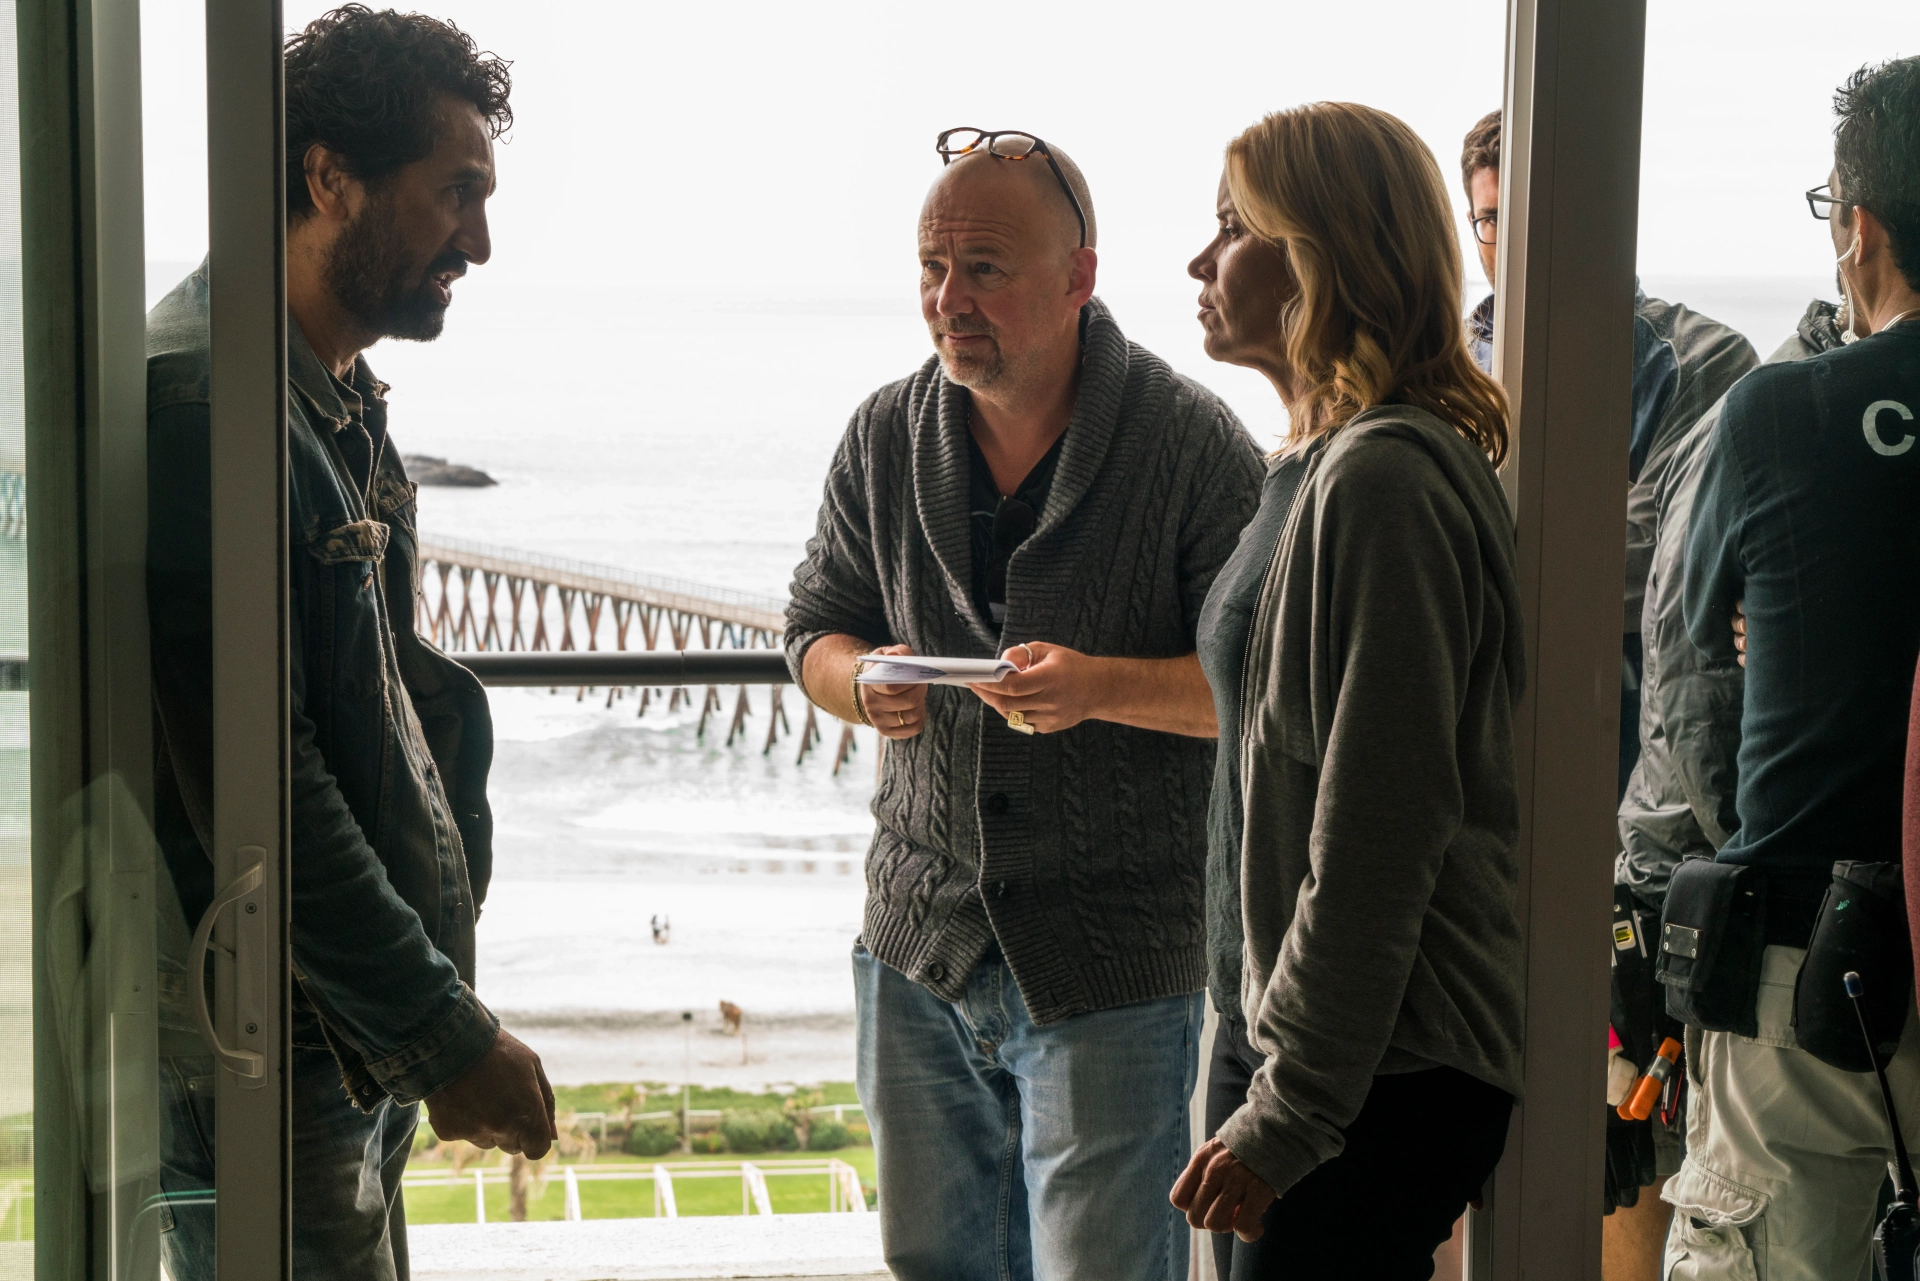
1003	275
1023	190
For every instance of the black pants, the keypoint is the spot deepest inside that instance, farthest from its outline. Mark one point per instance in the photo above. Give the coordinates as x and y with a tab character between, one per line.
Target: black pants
1423	1146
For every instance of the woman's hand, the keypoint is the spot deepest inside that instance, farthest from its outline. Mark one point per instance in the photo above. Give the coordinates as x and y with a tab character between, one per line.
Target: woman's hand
1056	688
1220	1194
1740	632
897	711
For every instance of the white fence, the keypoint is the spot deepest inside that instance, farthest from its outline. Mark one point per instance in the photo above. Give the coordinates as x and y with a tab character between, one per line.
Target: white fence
844	1193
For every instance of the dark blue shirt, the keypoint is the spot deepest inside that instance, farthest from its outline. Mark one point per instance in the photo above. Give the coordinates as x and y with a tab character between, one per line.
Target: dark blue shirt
1809	511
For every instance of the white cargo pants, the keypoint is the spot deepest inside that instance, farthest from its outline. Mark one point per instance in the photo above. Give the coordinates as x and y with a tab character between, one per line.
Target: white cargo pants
1785	1155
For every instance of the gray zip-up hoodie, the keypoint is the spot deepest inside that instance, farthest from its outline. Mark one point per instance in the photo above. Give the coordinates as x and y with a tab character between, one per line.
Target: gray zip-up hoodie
1379	865
1679	800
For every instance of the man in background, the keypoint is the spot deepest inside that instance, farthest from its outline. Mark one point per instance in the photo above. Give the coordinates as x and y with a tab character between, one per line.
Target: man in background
1683	363
1803	526
1029	973
390	127
1679	804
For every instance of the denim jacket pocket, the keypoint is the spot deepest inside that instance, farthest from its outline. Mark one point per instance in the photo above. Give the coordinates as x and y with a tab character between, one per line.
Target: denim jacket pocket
357	540
394	497
345	646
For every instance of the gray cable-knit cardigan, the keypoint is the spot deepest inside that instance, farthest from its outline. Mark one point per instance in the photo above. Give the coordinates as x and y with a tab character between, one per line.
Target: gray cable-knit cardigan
1083	852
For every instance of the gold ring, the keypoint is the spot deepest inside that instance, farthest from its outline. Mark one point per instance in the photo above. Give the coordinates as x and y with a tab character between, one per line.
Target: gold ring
902	718
1018	721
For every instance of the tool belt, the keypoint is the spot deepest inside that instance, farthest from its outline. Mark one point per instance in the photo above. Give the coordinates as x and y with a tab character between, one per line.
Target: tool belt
1719	919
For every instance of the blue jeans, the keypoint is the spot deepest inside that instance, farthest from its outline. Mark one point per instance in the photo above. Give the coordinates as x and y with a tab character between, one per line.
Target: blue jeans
349	1222
1012	1152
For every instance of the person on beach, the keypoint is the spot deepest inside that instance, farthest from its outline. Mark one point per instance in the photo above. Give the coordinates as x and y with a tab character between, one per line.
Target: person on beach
390	122
1364	649
1028	975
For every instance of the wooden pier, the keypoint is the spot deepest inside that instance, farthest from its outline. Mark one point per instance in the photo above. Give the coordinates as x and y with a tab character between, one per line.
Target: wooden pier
477	597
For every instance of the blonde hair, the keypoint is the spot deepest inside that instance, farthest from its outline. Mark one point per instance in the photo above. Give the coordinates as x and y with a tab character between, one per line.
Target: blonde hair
1357	203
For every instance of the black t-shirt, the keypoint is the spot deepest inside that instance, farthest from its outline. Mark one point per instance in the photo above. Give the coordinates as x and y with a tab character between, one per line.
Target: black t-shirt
1809	511
983	504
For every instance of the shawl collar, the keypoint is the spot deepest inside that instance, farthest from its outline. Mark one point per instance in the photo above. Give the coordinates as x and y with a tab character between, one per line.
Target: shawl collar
942	467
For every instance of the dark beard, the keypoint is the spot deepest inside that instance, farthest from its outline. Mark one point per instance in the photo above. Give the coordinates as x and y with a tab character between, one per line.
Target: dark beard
371	274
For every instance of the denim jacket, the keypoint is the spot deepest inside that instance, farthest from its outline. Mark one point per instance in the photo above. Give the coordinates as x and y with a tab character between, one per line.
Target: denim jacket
390	740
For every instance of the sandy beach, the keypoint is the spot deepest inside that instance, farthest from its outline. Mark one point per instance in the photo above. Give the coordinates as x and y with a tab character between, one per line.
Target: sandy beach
605	821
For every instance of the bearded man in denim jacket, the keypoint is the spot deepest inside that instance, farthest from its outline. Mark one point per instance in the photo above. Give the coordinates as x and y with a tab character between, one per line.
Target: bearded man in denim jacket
390	127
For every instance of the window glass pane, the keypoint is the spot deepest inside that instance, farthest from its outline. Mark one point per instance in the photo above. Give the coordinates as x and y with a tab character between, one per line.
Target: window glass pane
16	991
1729	144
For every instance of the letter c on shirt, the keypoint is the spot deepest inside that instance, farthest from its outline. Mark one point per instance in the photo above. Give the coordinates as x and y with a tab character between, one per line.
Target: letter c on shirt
1871	425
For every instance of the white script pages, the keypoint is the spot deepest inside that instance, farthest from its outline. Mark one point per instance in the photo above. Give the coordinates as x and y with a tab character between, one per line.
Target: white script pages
914	669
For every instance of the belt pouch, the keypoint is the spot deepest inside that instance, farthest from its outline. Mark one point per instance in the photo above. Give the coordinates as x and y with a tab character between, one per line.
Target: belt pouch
1712	936
1862	927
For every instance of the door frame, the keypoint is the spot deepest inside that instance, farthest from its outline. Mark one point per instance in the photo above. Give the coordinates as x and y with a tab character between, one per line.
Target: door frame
1570	186
246	167
1569	206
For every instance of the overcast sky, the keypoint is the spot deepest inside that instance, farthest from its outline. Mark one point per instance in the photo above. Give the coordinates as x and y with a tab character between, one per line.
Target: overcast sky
782	150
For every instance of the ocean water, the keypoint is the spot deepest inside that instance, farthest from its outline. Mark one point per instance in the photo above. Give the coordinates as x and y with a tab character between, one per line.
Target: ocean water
690	436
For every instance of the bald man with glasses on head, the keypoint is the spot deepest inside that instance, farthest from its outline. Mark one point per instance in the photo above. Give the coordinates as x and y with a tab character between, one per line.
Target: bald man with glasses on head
1028	979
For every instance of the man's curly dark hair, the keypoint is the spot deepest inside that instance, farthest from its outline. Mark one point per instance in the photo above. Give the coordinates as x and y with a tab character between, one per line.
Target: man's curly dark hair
1876	150
361	82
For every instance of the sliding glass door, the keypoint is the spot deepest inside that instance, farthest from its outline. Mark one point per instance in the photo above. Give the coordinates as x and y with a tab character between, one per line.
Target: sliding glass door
120	985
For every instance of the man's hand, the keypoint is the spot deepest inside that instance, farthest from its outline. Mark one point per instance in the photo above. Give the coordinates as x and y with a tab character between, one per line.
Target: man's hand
897	711
1740	632
503	1101
1220	1194
1056	688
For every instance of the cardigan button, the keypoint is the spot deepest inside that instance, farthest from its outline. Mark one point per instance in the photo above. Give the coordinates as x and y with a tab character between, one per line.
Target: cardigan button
936	971
999	889
997	803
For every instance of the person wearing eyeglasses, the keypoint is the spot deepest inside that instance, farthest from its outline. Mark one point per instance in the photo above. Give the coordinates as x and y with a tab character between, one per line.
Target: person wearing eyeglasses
1028	975
1365	655
1684	363
1803	537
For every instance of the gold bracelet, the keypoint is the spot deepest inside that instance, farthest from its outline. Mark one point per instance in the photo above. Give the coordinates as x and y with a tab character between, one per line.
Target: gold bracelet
859	708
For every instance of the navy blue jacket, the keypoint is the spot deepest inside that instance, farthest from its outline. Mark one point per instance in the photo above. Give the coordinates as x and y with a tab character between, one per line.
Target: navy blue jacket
1809	511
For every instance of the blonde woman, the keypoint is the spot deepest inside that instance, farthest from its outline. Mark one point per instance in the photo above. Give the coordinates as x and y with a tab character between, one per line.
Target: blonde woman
1364	649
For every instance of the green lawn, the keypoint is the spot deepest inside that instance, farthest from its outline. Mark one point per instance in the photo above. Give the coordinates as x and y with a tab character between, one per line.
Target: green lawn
622	1199
633	1198
16	1222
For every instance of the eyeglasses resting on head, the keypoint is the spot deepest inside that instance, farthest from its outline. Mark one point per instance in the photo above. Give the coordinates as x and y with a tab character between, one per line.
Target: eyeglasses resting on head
1008	144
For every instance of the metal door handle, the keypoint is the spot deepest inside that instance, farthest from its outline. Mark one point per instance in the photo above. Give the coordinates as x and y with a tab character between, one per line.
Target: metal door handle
240	1062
